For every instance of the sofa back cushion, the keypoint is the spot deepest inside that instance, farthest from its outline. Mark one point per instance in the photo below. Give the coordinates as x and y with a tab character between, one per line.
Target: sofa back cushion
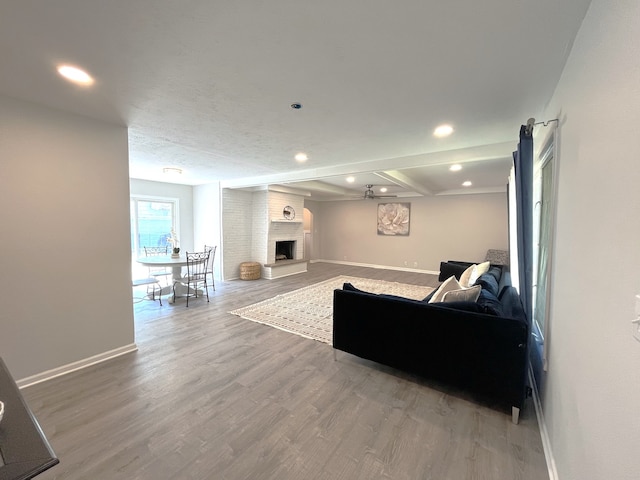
491	280
490	303
450	268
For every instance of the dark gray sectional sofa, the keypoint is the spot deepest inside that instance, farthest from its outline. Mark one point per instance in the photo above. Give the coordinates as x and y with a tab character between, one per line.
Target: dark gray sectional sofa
480	347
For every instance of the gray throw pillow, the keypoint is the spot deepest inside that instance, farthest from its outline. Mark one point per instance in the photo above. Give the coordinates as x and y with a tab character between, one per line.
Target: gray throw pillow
462	295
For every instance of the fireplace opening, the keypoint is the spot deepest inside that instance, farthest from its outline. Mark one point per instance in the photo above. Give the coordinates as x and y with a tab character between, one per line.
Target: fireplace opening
285	250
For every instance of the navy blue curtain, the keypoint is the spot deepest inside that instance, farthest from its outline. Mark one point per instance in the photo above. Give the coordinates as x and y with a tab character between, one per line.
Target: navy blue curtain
523	166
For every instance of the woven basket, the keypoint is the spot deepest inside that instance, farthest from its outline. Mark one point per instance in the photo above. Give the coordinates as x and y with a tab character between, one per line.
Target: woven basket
249	271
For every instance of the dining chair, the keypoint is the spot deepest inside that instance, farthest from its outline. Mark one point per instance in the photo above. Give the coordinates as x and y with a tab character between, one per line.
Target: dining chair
196	274
158	271
150	282
212	256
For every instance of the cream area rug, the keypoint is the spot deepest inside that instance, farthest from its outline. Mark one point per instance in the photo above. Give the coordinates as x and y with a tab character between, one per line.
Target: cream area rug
308	311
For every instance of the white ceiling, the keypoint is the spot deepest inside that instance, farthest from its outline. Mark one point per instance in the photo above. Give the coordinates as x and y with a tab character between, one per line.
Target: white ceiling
207	85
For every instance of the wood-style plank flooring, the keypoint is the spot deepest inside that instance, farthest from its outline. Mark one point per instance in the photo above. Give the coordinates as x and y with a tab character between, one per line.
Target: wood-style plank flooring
209	395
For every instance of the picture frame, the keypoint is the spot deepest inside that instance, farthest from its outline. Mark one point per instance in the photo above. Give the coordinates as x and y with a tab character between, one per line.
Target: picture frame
394	219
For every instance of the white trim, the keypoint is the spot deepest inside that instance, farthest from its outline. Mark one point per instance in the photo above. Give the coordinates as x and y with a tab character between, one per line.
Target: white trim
383	267
544	435
72	367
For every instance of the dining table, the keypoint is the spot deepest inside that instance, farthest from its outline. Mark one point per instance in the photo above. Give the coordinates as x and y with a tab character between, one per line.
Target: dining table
178	281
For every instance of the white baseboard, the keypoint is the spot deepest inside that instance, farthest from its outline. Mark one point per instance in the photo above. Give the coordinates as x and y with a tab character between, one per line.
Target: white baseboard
544	435
383	267
72	367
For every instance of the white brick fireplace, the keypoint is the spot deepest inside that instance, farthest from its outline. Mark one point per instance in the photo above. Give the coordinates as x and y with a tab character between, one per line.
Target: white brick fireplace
270	226
252	222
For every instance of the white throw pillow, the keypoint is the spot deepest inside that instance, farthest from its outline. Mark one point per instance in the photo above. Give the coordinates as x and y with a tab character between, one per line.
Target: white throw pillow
466	275
449	284
479	270
462	295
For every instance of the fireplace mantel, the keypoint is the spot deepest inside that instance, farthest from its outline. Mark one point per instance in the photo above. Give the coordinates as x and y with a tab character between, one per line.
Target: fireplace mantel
284	220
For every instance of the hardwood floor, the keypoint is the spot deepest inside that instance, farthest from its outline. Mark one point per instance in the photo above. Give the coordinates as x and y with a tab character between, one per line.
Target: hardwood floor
209	395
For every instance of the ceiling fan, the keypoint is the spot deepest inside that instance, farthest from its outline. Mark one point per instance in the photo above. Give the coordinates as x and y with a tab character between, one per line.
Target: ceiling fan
369	193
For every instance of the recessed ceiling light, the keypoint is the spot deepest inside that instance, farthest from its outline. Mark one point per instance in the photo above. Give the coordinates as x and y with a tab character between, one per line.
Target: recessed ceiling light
383	189
351	179
75	75
443	131
172	171
301	157
455	168
467	184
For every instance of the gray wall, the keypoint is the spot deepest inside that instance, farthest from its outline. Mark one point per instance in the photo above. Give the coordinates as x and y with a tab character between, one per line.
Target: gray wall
592	396
64	191
461	227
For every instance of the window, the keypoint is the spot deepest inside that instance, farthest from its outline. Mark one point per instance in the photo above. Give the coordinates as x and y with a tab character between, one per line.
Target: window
544	212
513	230
152	220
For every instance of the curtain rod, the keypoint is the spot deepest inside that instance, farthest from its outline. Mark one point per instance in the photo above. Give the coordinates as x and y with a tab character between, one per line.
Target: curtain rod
532	123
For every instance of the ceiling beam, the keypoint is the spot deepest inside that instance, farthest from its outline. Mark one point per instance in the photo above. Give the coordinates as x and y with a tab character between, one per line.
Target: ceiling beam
322	187
472	191
290	190
403	180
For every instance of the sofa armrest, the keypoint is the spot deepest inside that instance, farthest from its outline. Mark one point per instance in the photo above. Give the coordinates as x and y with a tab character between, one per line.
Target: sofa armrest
452	267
